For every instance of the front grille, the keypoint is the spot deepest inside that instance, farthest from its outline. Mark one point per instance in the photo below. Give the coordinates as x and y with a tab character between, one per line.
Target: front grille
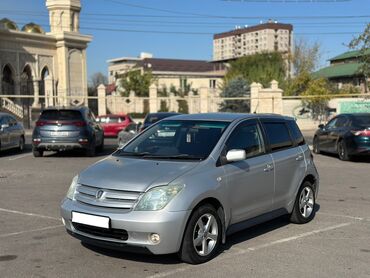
101	232
106	197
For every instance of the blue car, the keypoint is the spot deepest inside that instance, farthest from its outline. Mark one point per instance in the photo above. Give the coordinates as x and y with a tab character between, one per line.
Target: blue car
11	133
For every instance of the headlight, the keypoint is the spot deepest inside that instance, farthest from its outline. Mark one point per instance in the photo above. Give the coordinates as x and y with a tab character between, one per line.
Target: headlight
158	197
72	188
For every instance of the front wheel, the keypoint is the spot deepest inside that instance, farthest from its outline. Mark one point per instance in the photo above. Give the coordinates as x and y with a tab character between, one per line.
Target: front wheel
342	151
37	153
21	144
304	206
202	236
316	145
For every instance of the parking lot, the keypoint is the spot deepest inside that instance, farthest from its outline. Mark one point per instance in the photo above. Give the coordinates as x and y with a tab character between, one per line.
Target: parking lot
33	241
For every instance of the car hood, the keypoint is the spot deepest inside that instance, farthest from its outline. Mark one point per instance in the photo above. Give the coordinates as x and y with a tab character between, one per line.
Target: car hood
133	174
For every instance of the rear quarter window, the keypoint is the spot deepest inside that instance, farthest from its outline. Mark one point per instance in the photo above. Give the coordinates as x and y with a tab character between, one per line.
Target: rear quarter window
296	133
277	135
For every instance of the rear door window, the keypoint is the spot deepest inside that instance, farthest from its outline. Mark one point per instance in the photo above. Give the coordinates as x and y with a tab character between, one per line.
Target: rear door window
61	115
278	135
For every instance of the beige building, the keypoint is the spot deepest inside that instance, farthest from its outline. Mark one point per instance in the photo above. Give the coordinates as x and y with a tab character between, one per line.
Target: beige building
243	41
169	73
51	66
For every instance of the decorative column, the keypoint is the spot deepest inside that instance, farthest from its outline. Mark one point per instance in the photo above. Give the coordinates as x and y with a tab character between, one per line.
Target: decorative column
153	104
102	104
277	97
49	101
203	92
36	92
255	89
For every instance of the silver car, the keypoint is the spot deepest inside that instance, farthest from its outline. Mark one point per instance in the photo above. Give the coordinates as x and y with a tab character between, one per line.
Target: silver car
187	182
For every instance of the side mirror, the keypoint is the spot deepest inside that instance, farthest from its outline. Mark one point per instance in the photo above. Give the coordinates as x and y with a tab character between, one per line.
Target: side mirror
236	155
4	126
321	126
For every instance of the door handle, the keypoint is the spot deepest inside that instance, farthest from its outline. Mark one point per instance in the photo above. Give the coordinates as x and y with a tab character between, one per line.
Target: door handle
268	168
299	158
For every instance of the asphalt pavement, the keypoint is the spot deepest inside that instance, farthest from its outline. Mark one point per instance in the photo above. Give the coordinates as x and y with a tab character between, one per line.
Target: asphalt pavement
33	242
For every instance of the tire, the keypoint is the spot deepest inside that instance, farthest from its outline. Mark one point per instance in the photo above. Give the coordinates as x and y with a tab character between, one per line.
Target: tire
101	146
342	151
304	205
316	145
199	251
21	144
37	153
91	150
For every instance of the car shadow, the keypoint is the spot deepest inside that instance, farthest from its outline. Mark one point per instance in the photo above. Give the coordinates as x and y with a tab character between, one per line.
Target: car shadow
355	159
14	152
236	238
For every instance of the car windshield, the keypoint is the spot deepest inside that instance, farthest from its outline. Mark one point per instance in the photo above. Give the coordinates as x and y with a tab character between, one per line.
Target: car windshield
61	115
155	118
176	140
362	120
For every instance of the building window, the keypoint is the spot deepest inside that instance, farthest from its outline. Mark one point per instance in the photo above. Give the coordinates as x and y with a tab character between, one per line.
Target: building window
212	83
183	83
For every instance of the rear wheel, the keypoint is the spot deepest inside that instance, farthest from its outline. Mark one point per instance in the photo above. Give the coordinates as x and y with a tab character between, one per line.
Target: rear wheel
202	236
304	205
342	151
91	150
316	145
101	146
37	153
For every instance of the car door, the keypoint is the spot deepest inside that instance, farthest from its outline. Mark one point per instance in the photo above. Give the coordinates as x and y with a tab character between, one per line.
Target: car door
251	181
324	134
4	132
335	131
288	161
14	132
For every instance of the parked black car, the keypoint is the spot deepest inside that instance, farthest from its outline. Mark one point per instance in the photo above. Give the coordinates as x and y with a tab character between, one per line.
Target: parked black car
152	118
346	134
11	133
67	128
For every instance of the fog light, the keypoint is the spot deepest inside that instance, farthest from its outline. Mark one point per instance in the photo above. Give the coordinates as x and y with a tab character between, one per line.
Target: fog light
83	141
155	238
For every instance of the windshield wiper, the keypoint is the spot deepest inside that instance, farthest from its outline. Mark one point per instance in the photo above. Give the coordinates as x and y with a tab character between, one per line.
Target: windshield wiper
177	156
122	153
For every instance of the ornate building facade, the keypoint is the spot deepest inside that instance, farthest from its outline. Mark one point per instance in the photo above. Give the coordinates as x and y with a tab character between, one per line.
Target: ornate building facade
50	66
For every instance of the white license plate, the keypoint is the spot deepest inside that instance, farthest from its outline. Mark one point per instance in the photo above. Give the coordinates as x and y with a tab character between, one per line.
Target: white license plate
59	133
91	220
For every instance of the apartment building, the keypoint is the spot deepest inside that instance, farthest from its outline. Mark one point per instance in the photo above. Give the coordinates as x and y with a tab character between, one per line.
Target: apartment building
243	41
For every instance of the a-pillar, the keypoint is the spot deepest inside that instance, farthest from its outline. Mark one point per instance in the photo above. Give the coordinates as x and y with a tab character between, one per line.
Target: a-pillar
204	93
102	103
153	103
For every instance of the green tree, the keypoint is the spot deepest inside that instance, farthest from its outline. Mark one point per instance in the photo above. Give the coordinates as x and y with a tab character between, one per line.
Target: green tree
297	85
318	95
237	87
261	68
136	81
362	44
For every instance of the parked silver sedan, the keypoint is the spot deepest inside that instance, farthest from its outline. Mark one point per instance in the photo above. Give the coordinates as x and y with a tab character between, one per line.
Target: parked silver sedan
11	133
127	134
185	183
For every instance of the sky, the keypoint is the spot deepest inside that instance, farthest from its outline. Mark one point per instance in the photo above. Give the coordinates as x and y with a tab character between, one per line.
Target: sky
183	29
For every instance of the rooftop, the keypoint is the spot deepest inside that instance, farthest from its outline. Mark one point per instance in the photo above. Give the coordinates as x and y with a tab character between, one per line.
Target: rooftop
339	70
255	28
225	117
349	55
177	65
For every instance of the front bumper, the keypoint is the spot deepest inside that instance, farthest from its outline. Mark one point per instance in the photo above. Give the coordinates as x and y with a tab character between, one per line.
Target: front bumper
138	224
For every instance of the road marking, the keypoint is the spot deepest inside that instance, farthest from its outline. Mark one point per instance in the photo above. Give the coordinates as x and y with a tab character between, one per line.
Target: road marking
20	156
344	216
29	214
31	231
241	251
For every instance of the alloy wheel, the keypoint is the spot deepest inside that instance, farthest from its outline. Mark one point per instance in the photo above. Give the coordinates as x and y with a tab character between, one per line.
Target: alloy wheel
306	202
205	234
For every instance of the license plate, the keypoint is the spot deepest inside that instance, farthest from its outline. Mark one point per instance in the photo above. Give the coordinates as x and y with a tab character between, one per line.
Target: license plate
91	220
59	133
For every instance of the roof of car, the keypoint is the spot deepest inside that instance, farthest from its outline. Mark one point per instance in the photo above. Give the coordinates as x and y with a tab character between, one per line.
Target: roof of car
163	114
77	108
226	117
355	114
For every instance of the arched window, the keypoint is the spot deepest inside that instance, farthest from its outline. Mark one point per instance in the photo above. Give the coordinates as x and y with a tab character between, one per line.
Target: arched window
27	81
44	73
7	82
